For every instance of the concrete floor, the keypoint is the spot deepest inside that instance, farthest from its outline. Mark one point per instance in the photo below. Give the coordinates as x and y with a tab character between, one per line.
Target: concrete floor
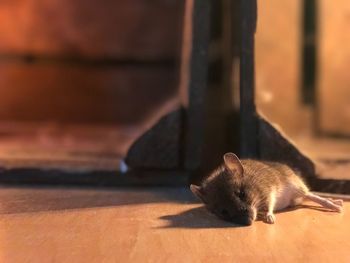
156	225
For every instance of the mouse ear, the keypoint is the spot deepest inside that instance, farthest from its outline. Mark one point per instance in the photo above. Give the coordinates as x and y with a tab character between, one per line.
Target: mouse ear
198	192
232	163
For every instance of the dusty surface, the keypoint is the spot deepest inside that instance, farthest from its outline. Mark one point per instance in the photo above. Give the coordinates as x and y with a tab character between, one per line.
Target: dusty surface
52	145
156	225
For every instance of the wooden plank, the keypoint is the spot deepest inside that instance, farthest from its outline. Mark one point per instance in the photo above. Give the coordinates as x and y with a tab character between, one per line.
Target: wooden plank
309	51
93	28
249	126
68	147
193	79
218	94
76	93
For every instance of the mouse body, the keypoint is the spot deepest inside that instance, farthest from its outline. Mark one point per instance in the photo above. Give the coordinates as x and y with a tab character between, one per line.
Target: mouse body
240	190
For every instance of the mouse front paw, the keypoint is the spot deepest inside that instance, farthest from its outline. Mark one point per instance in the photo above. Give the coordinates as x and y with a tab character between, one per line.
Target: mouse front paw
338	208
338	202
270	218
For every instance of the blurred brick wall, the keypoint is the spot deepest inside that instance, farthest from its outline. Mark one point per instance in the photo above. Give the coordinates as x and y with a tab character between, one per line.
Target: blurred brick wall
278	62
136	44
334	81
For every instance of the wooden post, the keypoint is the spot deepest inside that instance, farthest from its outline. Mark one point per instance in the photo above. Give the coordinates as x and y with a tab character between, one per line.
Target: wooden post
193	79
249	126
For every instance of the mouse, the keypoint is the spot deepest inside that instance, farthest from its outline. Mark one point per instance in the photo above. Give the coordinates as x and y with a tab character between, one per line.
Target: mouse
241	190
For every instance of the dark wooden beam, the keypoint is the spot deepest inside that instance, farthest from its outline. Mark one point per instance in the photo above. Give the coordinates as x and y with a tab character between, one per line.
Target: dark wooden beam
249	126
193	78
309	51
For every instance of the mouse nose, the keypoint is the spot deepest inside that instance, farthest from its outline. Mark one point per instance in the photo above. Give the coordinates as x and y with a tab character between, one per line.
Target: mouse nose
243	210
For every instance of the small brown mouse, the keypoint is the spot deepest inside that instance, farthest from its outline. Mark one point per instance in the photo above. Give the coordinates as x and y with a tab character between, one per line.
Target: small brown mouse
239	190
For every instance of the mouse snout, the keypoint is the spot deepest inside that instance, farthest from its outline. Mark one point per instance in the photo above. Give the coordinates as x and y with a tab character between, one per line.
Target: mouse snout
243	220
245	216
243	210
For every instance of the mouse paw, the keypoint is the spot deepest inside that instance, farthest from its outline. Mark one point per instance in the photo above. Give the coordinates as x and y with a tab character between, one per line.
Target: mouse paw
270	218
338	202
338	208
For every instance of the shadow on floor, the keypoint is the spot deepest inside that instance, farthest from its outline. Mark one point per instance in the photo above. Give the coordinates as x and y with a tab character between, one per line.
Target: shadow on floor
197	217
41	199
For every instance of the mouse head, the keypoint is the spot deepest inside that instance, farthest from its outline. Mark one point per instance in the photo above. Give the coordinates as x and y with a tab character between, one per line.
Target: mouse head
225	193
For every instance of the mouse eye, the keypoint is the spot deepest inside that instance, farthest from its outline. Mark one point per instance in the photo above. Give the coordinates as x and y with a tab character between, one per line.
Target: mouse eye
224	213
242	195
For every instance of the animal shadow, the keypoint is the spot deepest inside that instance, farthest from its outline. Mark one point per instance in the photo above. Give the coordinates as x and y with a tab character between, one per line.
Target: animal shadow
197	217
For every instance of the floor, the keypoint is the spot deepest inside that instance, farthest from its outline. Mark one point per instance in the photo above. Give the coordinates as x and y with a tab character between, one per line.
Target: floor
156	225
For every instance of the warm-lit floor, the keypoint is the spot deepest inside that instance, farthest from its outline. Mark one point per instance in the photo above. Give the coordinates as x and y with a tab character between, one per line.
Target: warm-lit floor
156	225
